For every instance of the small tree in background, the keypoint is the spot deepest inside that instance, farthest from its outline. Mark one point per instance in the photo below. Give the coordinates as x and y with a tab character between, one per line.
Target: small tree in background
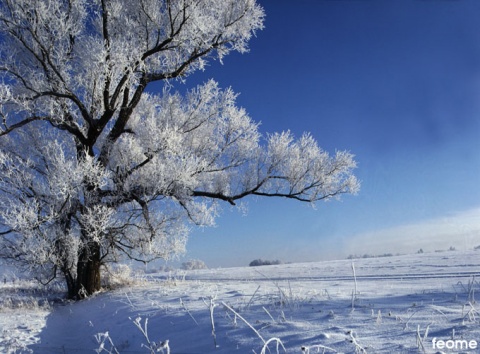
93	167
193	264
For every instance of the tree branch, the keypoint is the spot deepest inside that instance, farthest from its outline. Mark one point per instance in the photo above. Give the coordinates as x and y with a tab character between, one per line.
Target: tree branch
22	123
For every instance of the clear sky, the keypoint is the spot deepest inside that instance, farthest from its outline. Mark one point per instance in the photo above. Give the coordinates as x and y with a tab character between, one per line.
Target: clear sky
395	82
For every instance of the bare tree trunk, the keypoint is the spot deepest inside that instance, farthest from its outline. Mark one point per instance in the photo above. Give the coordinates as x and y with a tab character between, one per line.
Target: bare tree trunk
70	280
88	271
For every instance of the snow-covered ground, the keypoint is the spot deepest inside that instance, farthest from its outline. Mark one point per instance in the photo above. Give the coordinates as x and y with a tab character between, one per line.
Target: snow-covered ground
392	305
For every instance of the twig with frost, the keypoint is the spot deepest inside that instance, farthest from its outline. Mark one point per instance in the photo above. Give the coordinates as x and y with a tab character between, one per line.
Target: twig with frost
245	321
212	320
279	344
188	311
268	313
421	339
284	299
162	347
354	292
130	303
358	347
406	323
104	339
441	312
306	349
470	288
471	313
265	343
354	277
251	298
290	291
353	301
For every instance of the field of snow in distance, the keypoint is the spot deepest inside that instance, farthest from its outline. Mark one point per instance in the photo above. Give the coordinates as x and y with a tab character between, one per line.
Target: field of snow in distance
422	303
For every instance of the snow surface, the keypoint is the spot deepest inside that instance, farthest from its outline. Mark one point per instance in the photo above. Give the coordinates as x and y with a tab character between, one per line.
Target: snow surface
399	305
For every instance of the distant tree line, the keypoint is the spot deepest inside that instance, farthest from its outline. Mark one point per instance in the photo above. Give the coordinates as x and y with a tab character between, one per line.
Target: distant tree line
356	256
261	262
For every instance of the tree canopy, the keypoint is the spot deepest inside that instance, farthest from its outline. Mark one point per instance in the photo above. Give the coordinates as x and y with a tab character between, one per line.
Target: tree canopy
93	167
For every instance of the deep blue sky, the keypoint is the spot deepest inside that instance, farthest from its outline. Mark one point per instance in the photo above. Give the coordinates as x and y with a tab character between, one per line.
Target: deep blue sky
395	82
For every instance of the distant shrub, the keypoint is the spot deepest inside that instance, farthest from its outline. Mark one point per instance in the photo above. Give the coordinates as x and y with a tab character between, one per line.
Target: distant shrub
117	276
261	262
159	269
194	264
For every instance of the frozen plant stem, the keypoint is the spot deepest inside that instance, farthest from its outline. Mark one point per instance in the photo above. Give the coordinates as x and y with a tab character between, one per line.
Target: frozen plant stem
268	313
279	343
245	321
353	301
212	307
144	330
354	278
129	301
406	323
306	349
358	347
471	313
420	339
152	346
251	299
188	311
354	291
284	299
102	339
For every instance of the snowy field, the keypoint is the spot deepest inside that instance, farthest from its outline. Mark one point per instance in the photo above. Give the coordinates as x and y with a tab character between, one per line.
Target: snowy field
396	304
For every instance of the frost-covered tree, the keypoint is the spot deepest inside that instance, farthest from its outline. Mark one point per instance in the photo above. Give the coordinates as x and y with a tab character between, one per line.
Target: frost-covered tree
95	165
193	264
